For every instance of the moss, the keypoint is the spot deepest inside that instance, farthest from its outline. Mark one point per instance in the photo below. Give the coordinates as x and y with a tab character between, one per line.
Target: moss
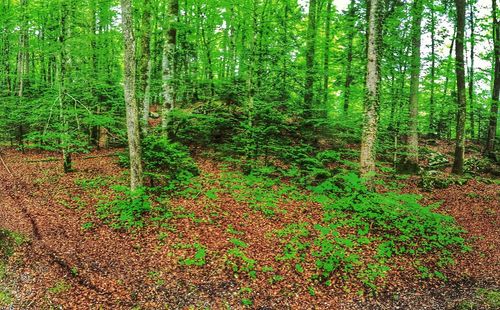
60	287
5	298
490	297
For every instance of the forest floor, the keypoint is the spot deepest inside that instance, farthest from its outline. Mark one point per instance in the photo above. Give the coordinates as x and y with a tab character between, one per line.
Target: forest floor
70	260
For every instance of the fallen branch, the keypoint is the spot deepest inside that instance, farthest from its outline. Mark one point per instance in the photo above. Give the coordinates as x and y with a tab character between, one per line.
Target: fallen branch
5	165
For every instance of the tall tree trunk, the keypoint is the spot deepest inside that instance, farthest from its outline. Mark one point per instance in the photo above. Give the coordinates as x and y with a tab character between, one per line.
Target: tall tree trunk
145	66
168	64
411	160
310	64
326	60
432	103
492	126
372	96
63	68
444	115
348	74
471	70
132	111
458	164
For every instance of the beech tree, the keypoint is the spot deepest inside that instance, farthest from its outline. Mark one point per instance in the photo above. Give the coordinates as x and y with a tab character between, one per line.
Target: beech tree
493	115
458	164
132	110
372	97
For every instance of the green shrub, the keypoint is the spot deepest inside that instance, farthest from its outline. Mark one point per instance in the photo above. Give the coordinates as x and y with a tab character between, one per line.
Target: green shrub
165	162
168	162
127	209
199	258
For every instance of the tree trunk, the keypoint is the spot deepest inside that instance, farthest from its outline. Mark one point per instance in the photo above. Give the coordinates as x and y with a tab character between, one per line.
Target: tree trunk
326	60
348	74
432	103
168	64
492	126
458	164
145	66
310	67
471	71
372	96
411	159
132	111
63	67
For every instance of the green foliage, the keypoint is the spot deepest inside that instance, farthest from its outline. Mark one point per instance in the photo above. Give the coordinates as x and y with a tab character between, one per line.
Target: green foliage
6	298
59	287
94	183
127	209
237	259
8	242
199	258
437	160
476	165
432	179
165	162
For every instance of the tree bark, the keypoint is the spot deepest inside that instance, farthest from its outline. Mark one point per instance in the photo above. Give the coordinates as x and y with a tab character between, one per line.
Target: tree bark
458	164
168	63
326	60
132	111
432	103
471	70
348	74
372	96
411	160
310	65
492	126
145	66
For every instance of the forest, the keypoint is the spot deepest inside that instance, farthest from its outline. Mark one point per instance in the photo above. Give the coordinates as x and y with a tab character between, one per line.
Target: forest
249	154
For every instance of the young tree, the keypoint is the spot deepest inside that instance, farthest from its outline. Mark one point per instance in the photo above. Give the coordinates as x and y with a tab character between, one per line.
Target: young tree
432	102
168	59
326	56
351	15
458	164
372	88
492	126
310	63
411	159
132	111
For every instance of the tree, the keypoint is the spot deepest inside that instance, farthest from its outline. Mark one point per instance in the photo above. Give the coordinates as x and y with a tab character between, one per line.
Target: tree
492	126
372	95
458	164
132	111
351	15
168	59
310	62
411	159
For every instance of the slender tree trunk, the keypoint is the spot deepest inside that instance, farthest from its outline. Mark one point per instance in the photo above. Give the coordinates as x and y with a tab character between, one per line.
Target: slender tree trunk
471	70
145	66
132	111
411	160
444	114
251	67
326	60
348	74
372	96
432	103
492	126
168	64
63	68
458	164
310	64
